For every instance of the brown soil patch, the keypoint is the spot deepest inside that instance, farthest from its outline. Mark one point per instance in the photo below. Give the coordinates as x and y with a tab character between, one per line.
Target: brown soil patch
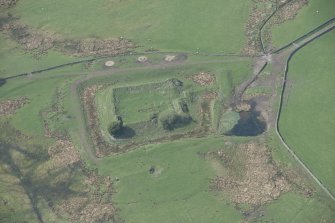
251	177
209	96
8	3
63	153
203	78
260	10
81	211
243	106
95	47
39	42
29	39
289	11
9	107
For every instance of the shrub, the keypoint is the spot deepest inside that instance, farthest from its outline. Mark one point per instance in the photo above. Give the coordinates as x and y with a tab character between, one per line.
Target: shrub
228	120
2	81
172	120
116	126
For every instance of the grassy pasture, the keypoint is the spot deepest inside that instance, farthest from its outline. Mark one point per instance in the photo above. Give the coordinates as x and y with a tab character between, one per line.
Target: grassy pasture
307	122
13	60
307	19
164	25
176	192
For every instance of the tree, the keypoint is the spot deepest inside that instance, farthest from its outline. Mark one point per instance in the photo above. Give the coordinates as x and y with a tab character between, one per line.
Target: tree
172	120
116	126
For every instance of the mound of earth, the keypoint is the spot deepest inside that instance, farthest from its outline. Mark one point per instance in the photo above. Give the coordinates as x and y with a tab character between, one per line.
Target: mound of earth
109	63
259	179
142	59
9	107
203	78
169	58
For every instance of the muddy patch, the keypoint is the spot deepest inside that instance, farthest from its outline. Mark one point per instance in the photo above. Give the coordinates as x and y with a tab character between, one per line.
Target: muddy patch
249	176
9	107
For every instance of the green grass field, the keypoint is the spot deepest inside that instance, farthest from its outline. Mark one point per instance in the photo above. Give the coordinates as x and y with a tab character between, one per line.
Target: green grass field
307	123
176	192
180	189
307	19
166	25
15	61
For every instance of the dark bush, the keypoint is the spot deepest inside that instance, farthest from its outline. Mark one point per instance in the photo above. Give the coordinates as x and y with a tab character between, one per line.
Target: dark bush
2	81
116	126
172	120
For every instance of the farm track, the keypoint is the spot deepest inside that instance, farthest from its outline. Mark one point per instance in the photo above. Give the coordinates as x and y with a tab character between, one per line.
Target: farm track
284	56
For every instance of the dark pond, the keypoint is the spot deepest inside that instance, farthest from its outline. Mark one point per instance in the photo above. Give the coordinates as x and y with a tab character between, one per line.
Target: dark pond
251	123
2	81
125	133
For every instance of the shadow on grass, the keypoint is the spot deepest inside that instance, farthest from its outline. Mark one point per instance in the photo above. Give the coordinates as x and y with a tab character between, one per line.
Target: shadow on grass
125	133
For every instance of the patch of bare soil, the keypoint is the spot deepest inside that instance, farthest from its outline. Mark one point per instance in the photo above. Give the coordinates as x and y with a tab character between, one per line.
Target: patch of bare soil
29	39
260	11
95	47
39	42
8	3
63	153
288	11
94	205
81	211
209	96
243	106
255	179
203	78
9	107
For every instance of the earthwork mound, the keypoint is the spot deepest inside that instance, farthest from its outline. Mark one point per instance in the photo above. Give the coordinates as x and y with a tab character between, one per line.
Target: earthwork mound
169	58
109	63
142	59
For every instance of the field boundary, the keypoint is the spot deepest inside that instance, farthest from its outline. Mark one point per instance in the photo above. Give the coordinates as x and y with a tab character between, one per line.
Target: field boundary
318	28
325	189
